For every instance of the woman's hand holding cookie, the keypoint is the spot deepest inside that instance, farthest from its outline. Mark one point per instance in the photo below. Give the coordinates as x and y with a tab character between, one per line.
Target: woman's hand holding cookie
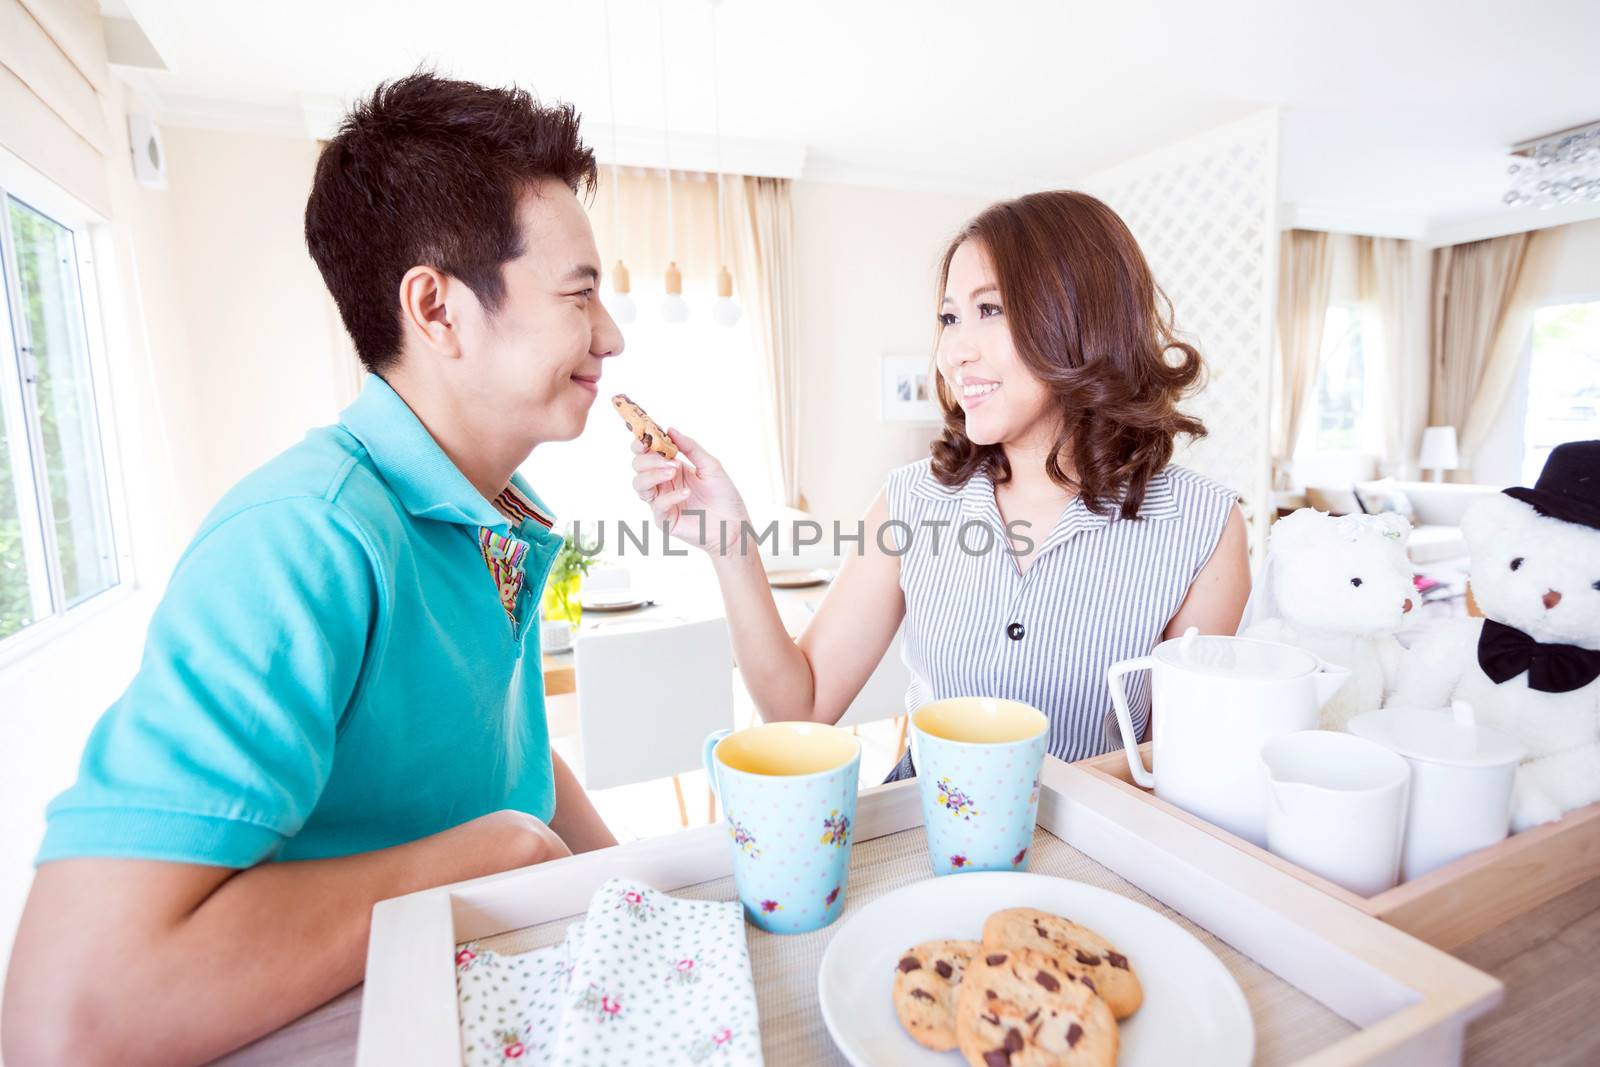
696	500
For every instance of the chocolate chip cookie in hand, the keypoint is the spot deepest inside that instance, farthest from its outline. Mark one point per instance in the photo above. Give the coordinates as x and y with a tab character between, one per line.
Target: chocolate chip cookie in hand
644	428
1079	950
1020	1008
927	982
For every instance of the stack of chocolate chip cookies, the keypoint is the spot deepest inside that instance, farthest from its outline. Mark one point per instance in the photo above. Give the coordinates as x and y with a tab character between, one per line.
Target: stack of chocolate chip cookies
1038	991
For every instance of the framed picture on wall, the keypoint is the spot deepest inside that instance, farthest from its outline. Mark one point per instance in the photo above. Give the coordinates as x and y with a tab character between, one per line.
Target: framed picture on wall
907	389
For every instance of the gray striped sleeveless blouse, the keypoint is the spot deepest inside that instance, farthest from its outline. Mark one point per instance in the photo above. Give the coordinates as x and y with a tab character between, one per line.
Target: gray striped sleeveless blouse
1100	588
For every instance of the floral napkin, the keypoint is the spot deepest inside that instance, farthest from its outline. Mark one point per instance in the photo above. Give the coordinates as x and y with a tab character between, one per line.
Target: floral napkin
645	978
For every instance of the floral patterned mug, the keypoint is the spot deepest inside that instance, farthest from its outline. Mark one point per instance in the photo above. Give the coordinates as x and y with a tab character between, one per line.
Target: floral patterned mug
788	790
978	762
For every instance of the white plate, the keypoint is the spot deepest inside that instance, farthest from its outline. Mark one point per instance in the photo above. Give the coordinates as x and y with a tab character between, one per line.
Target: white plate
612	602
798	579
1194	1013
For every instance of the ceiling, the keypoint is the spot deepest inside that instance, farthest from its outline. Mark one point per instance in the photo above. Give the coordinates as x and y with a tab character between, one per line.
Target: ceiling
1396	117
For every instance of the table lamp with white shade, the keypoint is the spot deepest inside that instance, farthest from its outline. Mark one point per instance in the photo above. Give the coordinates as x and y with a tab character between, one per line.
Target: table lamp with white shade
1439	453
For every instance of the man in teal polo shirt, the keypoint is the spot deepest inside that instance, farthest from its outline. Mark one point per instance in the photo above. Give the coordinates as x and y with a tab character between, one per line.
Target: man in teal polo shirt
341	697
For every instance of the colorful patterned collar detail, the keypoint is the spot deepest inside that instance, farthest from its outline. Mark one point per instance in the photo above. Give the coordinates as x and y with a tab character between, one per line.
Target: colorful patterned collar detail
505	557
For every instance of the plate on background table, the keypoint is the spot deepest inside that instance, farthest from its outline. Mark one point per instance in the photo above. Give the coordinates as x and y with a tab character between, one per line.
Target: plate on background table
798	579
1194	1013
613	601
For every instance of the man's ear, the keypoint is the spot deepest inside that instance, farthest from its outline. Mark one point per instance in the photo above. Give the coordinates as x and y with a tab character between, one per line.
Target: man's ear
425	311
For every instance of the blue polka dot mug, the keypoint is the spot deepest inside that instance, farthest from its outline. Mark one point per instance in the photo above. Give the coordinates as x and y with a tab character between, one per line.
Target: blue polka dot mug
978	762
788	790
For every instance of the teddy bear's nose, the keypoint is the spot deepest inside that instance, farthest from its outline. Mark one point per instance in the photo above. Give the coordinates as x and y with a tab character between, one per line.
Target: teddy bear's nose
1551	599
1404	608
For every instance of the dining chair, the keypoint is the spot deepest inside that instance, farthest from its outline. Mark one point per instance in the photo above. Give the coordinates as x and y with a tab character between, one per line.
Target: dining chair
647	697
884	695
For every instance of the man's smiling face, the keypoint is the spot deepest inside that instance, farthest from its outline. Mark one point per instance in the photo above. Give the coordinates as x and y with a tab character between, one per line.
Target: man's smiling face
536	361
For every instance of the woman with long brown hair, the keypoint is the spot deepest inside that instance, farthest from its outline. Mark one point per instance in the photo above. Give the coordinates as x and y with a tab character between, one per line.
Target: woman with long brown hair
1048	534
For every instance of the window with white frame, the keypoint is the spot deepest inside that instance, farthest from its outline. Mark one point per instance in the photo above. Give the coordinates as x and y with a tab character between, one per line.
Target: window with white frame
1344	416
57	547
1563	382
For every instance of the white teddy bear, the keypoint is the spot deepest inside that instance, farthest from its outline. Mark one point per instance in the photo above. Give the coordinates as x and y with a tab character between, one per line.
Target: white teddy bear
1532	667
1339	587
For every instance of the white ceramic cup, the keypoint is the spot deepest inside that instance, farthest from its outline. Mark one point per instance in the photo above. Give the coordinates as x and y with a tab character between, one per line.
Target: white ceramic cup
1336	805
1461	780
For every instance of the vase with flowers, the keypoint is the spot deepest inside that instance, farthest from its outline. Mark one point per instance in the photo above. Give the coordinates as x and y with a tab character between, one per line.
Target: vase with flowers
561	591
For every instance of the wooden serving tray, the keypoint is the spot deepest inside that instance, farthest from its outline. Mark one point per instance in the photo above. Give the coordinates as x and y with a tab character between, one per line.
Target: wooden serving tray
1404	1001
1446	907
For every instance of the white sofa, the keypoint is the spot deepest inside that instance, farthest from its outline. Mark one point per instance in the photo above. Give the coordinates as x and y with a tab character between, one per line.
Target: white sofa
1331	484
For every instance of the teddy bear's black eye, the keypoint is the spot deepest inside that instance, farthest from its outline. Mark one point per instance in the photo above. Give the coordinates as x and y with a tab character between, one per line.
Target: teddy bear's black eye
1597	587
1356	582
1516	563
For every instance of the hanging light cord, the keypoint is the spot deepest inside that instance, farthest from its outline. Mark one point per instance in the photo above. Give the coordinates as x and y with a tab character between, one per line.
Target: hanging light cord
611	101
666	134
716	125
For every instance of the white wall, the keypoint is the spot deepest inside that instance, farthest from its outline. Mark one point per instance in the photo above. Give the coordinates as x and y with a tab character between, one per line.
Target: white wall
867	261
1575	275
1204	211
254	307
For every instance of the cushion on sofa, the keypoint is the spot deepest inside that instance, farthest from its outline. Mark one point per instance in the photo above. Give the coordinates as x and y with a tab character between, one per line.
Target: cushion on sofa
1433	544
1334	499
1384	495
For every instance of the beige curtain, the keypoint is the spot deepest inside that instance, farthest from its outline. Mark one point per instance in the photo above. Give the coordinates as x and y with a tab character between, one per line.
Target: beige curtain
1473	289
1305	275
759	237
1511	341
1386	277
762	232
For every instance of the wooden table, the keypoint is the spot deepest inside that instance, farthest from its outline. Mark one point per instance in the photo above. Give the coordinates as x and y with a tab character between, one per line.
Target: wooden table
560	672
1545	958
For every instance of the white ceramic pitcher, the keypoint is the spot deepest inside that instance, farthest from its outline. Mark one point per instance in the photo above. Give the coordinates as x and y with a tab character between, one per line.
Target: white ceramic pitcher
1215	700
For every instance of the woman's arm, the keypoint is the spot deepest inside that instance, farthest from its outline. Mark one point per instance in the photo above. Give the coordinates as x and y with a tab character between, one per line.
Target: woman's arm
1216	597
812	680
815	677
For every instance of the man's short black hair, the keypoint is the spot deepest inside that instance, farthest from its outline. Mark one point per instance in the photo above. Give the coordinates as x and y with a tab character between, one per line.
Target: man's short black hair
429	171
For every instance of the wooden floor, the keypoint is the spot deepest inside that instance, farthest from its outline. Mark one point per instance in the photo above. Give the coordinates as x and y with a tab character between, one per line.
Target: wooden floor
1549	961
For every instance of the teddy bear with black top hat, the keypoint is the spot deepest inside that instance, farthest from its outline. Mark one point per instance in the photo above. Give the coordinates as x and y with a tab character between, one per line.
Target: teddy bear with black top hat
1531	667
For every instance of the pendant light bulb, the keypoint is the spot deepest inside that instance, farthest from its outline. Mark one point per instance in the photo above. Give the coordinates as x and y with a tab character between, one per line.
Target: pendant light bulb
623	309
725	312
674	309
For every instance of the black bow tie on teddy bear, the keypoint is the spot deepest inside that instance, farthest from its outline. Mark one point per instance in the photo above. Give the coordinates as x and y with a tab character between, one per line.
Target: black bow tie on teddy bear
1505	652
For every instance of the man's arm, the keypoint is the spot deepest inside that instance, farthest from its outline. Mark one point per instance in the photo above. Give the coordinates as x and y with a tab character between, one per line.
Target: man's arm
575	820
146	962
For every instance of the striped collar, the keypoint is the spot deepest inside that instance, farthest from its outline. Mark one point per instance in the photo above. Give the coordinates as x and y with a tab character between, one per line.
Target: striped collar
519	505
977	499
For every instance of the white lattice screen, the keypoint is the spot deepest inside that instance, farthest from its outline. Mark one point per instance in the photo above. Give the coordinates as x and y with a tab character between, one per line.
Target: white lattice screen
1205	212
